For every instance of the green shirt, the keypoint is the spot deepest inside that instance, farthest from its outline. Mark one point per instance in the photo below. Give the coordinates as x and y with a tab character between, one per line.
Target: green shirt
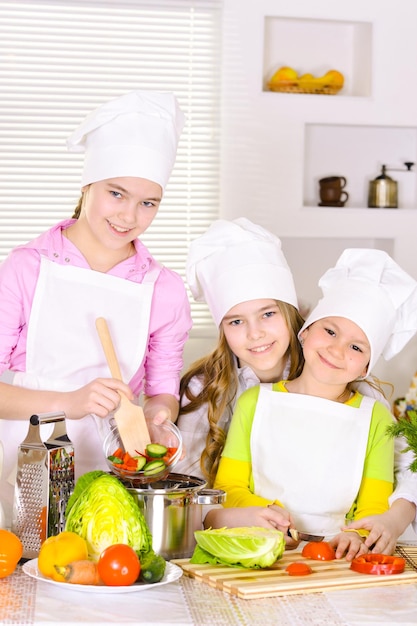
378	471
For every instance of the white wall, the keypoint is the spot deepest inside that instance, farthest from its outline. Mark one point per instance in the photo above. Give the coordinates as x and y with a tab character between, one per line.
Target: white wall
270	164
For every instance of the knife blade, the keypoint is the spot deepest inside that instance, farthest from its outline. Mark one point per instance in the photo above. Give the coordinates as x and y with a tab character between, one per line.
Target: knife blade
299	536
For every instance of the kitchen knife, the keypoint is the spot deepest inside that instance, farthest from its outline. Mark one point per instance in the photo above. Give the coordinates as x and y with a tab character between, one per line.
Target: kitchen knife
299	536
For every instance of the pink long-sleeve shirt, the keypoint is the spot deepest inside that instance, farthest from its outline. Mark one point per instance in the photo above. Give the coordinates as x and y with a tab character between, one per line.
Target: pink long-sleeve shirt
170	320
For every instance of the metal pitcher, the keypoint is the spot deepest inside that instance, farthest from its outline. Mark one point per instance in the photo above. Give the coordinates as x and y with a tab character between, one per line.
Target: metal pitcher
383	192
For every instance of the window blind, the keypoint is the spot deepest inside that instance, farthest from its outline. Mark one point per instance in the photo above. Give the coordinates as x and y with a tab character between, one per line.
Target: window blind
58	61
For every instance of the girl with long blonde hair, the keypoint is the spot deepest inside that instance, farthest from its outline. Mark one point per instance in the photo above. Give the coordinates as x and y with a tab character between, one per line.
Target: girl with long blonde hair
239	269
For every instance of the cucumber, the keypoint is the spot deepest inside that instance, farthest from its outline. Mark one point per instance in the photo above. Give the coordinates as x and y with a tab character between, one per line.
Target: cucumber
140	462
115	459
154	467
152	568
156	450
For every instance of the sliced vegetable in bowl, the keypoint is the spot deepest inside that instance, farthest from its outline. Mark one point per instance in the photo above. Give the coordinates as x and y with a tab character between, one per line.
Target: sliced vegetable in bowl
154	462
156	450
155	459
380	564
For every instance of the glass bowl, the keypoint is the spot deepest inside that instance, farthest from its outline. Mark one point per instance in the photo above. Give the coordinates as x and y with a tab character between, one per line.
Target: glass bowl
166	434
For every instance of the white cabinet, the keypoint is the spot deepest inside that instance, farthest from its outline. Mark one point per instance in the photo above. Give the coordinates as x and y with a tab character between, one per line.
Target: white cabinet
276	146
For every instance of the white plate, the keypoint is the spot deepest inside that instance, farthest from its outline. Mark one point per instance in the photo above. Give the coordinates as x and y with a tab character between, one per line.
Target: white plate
172	573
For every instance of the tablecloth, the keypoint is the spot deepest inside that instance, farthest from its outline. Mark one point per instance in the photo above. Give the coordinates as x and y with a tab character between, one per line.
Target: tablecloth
24	600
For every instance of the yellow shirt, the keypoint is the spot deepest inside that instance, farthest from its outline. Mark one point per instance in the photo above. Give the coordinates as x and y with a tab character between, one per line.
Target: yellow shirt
235	470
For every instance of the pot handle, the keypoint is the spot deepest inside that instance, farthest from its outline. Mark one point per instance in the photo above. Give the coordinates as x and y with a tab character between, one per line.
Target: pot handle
210	496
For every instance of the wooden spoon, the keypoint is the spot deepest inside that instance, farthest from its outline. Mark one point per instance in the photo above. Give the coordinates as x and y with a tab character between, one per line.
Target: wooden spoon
130	419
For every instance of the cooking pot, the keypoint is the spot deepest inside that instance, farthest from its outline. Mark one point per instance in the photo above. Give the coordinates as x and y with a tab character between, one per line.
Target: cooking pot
173	509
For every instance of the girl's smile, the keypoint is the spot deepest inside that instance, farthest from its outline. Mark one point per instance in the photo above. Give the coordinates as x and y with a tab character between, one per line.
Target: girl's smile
327	362
119	229
262	349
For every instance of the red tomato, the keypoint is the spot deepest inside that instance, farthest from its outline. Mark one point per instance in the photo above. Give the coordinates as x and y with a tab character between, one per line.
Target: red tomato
118	565
378	564
319	551
298	569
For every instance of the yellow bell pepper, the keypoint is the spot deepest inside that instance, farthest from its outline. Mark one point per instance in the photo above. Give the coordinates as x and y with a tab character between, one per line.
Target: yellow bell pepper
61	550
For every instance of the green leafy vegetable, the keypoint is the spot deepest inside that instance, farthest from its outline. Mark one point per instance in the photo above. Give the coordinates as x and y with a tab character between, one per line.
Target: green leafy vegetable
81	484
406	426
252	547
103	512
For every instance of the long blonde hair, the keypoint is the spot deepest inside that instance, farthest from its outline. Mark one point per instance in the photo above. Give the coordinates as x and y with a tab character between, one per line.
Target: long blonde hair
219	384
78	208
374	383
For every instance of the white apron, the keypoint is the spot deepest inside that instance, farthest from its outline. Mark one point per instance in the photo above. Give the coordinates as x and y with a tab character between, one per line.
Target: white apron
309	454
64	351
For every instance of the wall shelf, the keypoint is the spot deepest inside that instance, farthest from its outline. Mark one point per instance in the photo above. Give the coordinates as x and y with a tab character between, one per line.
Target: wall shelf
358	153
315	46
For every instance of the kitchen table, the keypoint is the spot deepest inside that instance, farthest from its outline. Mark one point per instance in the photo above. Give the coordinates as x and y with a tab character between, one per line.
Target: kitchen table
25	600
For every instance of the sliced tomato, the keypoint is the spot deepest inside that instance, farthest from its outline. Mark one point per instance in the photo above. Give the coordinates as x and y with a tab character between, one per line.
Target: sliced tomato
298	569
378	564
319	551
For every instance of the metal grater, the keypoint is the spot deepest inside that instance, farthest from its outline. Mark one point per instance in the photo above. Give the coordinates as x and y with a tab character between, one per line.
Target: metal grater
44	482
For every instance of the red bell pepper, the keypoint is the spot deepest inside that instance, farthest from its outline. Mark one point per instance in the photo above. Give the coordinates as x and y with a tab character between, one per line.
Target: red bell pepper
378	564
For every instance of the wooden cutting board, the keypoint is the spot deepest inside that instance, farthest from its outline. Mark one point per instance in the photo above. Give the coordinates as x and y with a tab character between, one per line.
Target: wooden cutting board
274	581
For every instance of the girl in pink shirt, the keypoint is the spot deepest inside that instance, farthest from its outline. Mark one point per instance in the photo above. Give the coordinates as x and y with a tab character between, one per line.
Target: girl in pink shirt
53	289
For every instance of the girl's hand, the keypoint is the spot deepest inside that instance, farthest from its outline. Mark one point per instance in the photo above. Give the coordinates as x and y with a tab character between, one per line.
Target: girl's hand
279	518
100	397
384	529
348	544
272	516
160	408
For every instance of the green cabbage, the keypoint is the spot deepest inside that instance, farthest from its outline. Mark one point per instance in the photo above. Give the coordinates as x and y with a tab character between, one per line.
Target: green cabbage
81	484
103	512
253	547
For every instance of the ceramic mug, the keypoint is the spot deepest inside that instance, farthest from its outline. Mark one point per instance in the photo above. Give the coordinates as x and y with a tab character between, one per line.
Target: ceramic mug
332	190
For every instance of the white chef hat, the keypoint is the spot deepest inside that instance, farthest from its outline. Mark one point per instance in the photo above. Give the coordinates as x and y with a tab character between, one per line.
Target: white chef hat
237	261
134	135
367	287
